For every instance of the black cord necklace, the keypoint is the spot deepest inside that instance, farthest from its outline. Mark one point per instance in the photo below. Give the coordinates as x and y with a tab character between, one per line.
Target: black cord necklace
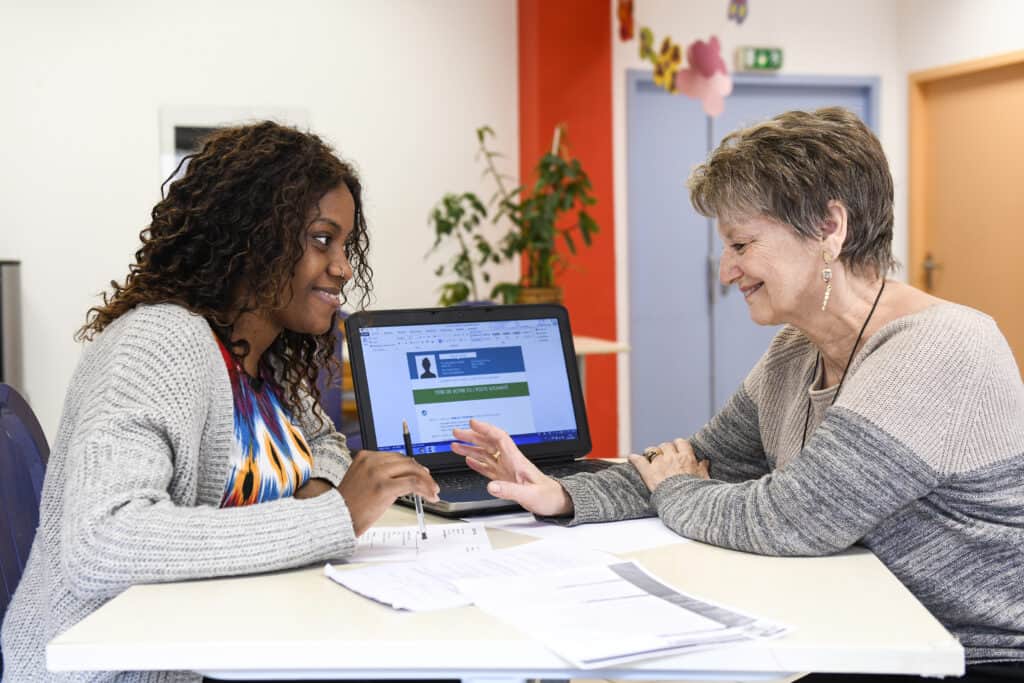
853	351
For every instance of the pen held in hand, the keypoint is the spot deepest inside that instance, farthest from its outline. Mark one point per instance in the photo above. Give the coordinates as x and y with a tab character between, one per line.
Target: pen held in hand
407	438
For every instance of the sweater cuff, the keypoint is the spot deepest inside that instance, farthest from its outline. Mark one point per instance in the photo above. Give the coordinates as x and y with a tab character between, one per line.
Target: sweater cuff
329	526
328	465
584	506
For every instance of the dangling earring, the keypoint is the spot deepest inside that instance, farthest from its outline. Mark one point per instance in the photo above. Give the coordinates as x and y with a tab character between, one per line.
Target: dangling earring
826	275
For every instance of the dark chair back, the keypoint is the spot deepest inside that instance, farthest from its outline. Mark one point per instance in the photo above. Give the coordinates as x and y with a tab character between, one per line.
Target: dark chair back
23	456
336	399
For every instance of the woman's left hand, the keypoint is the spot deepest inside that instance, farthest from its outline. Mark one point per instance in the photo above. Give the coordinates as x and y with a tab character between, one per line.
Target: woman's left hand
666	460
490	451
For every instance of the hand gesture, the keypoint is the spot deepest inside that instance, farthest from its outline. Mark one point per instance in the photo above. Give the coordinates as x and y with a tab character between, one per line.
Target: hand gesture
375	479
513	477
658	463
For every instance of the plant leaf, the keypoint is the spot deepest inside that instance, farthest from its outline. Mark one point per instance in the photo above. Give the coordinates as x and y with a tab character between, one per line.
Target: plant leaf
569	241
508	292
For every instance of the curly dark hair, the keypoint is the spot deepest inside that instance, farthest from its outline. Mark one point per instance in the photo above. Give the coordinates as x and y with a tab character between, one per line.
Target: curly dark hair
233	225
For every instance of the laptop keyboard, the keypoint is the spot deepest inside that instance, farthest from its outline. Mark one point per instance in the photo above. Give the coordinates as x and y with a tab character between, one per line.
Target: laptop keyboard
471	481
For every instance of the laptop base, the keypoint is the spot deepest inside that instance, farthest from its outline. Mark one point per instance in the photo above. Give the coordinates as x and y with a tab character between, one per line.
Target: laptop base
464	494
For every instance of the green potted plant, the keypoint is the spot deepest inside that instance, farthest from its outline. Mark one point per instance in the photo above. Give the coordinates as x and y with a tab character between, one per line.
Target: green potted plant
553	208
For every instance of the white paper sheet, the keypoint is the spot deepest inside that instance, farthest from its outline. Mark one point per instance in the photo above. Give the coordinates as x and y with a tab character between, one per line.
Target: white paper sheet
611	537
429	584
598	616
403	543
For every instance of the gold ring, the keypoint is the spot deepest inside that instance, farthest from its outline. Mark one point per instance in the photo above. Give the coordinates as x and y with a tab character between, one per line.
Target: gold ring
652	452
496	455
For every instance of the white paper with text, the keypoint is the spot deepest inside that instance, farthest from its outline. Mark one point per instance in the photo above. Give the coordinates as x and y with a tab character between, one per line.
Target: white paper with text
404	544
430	583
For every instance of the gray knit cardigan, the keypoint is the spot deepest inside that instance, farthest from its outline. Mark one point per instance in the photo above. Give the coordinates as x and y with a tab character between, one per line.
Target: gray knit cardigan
134	482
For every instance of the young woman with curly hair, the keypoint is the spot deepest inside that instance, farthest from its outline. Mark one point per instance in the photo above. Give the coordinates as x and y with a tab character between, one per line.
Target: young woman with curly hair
191	443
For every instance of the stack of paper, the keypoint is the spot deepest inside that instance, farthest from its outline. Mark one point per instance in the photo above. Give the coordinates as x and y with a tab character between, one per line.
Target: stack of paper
589	607
598	616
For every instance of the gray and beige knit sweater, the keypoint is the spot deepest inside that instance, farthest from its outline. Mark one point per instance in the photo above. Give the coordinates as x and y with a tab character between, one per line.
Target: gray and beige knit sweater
134	482
921	459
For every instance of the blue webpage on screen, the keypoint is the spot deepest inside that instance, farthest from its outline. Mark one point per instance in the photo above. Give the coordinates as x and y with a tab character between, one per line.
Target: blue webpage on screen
510	373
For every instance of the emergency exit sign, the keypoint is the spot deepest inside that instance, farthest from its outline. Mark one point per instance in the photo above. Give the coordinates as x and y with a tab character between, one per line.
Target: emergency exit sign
758	58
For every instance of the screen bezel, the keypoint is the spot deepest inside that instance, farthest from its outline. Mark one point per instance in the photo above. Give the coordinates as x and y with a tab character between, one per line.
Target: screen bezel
463	314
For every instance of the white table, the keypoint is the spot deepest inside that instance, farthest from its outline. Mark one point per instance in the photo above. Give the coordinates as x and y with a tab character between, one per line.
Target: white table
848	612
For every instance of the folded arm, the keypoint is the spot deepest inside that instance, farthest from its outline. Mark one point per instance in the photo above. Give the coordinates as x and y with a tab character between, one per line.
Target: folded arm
136	467
850	476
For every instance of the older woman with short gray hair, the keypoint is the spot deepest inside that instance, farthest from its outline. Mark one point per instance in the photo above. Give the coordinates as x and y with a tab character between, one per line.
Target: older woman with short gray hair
879	415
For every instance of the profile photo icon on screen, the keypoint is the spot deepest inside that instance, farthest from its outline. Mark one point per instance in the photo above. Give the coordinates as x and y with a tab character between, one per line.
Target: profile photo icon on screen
427	372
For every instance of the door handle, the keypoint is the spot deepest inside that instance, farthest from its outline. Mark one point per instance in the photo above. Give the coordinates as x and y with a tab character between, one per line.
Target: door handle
930	266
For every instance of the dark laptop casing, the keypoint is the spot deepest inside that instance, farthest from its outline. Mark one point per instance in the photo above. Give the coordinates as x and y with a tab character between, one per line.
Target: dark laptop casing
439	463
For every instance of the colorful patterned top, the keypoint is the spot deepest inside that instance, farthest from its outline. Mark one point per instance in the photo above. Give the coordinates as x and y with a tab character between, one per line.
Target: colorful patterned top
273	459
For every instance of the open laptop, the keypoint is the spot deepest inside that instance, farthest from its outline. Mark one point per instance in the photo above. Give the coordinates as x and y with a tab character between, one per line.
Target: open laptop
512	366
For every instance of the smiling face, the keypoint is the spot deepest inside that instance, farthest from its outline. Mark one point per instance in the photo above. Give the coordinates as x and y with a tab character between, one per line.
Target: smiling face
323	269
777	270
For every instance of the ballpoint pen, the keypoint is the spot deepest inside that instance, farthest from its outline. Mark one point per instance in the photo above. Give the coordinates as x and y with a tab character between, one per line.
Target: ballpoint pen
415	497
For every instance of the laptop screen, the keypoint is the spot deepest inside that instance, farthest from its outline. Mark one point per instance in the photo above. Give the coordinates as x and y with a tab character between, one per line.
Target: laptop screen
498	364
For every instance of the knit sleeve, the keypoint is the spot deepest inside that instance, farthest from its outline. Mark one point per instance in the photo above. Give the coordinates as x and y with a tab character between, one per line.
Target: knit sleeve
896	433
850	476
613	494
139	438
331	456
731	441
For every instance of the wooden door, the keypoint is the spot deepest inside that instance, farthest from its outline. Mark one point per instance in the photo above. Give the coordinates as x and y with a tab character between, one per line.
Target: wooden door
967	188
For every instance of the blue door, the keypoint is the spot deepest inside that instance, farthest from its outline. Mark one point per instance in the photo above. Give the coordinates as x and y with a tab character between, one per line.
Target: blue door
692	342
668	250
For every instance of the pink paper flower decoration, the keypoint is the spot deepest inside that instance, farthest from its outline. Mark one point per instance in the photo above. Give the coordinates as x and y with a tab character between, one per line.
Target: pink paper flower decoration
707	79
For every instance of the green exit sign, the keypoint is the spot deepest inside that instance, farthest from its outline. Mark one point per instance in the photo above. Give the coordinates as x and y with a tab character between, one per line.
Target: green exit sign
758	58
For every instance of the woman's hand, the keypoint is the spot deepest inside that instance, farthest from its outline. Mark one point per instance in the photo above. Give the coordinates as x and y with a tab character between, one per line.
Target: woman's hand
513	477
375	479
668	459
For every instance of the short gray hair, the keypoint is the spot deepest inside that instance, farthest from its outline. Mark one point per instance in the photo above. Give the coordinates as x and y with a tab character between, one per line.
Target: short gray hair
790	167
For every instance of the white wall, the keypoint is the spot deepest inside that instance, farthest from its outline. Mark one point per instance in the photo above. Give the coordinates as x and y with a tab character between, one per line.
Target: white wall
938	33
398	86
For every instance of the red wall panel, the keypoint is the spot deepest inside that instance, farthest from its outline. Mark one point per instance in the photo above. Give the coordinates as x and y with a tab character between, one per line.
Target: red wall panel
565	75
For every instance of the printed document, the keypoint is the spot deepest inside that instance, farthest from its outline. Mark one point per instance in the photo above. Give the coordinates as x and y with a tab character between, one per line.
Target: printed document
599	616
403	543
429	583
